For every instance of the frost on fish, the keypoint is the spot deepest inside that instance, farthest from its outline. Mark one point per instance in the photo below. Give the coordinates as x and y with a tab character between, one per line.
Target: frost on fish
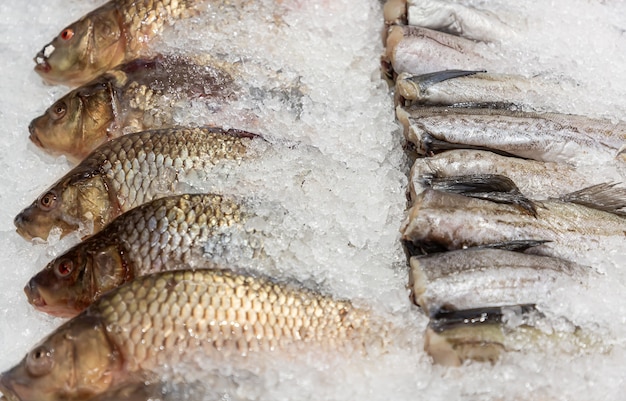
130	170
149	94
194	229
574	232
474	277
112	34
548	137
484	334
535	179
211	315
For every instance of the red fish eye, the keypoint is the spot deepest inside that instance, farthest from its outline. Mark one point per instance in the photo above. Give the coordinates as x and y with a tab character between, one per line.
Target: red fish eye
64	268
48	201
67	34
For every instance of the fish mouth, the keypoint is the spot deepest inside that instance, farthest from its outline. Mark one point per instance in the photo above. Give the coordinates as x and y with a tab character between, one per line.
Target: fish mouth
41	59
33	136
6	394
19	222
34	296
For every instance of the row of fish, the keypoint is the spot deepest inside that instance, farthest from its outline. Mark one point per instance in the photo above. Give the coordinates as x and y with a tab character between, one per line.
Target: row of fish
151	286
507	205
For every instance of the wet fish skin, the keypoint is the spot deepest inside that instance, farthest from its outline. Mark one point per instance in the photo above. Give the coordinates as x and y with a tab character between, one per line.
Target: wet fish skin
136	96
416	51
215	314
474	277
180	227
536	179
452	221
127	172
549	137
112	34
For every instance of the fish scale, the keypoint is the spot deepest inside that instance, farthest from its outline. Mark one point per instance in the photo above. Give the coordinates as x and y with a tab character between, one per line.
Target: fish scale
126	183
191	229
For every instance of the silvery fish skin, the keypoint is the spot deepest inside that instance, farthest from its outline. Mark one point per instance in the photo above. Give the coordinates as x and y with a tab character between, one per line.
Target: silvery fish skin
128	171
166	319
539	136
455	221
418	51
473	278
112	34
449	17
140	95
459	87
483	339
156	236
535	179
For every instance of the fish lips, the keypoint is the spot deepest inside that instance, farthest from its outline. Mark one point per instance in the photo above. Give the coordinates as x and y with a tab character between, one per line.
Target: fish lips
6	391
34	138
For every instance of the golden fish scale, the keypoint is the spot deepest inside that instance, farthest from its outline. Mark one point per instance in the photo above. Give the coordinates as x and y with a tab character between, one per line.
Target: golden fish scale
173	228
161	318
146	18
140	166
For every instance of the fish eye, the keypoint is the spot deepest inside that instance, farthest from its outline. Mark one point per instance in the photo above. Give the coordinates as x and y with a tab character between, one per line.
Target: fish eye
64	268
48	201
58	110
39	361
67	34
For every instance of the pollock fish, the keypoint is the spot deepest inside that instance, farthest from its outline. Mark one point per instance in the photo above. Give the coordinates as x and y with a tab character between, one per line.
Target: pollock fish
539	136
535	179
160	321
474	277
131	170
459	87
574	231
484	334
156	236
447	16
117	32
418	51
139	95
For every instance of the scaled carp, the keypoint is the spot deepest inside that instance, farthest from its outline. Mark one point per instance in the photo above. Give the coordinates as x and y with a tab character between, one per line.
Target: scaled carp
140	95
156	236
117	32
160	321
130	170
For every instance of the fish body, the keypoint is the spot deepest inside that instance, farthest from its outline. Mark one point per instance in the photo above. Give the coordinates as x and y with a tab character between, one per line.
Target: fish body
139	95
485	334
454	221
418	51
455	87
166	319
131	170
457	19
156	236
539	136
472	278
115	33
535	179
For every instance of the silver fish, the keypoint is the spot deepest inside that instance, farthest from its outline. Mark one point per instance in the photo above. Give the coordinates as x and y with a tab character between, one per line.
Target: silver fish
474	277
535	179
574	231
538	136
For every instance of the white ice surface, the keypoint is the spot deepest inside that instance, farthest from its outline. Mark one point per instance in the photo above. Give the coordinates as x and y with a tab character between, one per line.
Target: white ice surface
347	211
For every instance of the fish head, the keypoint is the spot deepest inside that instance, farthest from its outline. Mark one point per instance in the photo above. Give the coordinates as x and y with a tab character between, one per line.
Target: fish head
79	201
77	123
70	283
84	49
75	362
